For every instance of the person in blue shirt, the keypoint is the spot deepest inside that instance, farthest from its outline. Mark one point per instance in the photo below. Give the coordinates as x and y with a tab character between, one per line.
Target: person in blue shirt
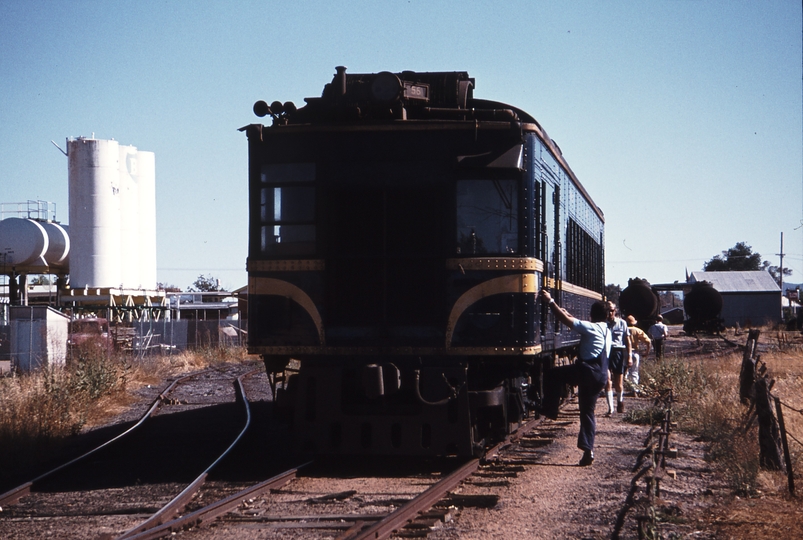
589	373
619	360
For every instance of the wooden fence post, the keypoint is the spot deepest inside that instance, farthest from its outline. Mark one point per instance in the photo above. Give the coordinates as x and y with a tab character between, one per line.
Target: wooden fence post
769	434
747	377
790	475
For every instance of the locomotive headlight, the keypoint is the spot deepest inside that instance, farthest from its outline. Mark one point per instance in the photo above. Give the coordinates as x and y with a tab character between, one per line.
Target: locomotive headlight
261	109
386	88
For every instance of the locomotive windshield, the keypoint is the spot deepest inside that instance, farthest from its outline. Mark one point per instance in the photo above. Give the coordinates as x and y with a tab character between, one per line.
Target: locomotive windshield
487	217
287	209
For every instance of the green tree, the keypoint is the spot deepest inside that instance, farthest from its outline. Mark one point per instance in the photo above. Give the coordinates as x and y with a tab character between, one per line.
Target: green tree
205	284
739	257
612	293
775	271
167	287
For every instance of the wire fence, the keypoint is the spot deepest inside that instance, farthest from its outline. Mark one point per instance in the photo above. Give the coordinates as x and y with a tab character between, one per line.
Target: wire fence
791	409
755	388
30	344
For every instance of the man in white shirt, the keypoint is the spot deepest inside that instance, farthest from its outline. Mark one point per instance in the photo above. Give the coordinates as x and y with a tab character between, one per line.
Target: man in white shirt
589	373
658	333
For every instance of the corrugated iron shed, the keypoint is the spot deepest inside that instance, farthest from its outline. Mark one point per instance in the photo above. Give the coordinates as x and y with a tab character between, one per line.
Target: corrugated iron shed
725	282
748	298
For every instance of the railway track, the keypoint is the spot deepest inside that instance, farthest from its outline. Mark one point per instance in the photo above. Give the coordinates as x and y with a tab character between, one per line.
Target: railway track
343	505
347	506
143	476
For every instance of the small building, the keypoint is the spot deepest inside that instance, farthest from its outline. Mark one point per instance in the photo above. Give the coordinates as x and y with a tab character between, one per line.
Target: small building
203	319
749	298
673	315
38	337
203	306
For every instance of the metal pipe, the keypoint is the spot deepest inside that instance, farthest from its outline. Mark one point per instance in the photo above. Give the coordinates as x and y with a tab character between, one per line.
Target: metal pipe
341	79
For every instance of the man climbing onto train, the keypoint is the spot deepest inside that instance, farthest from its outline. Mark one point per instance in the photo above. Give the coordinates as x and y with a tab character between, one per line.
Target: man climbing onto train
589	373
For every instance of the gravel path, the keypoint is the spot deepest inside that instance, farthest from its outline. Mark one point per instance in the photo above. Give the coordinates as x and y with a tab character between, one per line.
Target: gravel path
558	499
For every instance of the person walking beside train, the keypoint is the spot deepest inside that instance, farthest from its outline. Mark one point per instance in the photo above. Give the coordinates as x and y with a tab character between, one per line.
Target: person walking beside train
620	359
658	332
589	373
640	347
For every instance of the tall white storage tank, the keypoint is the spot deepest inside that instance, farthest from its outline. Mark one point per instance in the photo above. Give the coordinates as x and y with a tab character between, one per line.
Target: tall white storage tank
94	190
146	176
129	218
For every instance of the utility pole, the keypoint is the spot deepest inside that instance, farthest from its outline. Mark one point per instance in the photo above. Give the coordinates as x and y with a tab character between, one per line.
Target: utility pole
780	271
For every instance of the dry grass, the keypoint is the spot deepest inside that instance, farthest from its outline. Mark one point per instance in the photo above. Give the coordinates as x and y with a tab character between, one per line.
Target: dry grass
39	411
705	387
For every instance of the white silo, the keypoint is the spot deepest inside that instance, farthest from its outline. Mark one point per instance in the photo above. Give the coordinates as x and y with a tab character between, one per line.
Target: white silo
129	218
94	191
146	176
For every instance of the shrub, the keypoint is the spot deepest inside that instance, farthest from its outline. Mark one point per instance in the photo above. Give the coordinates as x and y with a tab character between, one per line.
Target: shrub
39	410
706	405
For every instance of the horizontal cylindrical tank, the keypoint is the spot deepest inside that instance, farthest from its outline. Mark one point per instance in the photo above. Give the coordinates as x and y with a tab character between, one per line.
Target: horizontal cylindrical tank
703	301
94	190
23	242
33	243
639	300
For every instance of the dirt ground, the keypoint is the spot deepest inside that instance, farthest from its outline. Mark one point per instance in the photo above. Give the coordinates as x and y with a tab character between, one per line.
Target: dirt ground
558	499
555	498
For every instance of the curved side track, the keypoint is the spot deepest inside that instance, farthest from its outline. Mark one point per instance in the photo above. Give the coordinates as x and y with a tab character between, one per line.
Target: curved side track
219	508
13	495
180	501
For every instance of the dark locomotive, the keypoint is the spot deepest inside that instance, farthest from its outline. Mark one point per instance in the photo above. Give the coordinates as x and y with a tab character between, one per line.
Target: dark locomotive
399	231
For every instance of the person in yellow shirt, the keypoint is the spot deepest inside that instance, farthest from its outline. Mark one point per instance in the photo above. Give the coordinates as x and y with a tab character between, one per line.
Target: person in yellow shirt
640	344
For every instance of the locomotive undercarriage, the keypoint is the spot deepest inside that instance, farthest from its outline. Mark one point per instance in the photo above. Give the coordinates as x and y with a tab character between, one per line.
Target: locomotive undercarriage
405	406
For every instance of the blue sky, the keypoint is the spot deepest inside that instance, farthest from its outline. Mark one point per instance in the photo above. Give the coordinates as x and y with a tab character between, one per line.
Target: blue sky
682	118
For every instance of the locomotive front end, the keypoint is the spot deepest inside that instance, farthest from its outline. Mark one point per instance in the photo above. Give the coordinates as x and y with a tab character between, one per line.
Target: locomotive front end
399	232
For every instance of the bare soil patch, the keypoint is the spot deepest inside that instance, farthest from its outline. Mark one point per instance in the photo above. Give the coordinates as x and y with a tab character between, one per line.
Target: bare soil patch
558	499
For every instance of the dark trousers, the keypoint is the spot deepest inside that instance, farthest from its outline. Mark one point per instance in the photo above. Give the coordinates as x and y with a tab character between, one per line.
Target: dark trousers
658	345
590	379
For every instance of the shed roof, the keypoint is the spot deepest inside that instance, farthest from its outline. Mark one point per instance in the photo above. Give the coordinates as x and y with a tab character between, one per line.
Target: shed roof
749	281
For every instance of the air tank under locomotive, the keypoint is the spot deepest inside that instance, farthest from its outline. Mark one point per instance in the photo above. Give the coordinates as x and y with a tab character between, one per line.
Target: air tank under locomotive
399	232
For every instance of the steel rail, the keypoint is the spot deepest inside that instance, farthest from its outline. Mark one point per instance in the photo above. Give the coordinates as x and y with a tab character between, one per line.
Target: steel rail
406	513
13	495
180	501
219	508
384	526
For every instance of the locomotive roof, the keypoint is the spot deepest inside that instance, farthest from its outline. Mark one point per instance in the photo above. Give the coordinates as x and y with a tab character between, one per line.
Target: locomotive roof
367	99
